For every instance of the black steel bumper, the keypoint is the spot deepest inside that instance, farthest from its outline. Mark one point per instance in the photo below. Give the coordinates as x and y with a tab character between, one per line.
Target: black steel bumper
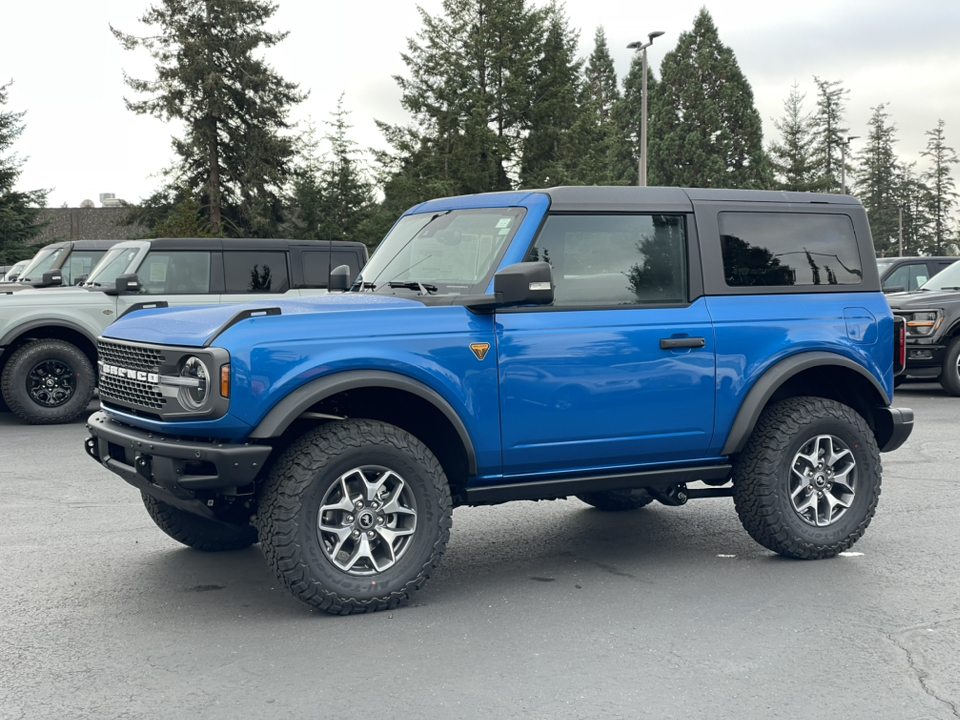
171	469
894	426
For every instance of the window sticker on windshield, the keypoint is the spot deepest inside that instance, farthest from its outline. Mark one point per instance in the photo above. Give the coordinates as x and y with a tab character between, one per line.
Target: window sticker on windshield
504	223
158	272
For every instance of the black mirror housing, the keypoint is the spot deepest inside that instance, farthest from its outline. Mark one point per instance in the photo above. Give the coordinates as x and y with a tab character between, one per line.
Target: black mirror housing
340	279
129	283
51	278
528	283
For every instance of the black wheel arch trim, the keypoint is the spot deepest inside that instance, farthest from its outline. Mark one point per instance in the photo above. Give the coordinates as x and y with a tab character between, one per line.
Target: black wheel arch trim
764	388
300	400
18	332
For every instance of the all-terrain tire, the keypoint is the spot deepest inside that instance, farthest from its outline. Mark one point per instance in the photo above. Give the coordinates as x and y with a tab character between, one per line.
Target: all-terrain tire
198	532
321	499
617	500
769	484
950	374
64	366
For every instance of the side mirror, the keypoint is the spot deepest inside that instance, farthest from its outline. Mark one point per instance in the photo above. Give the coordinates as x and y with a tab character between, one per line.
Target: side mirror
124	284
528	283
340	279
51	278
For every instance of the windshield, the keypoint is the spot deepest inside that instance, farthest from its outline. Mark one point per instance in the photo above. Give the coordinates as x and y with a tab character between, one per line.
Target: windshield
450	252
946	279
42	261
115	263
14	272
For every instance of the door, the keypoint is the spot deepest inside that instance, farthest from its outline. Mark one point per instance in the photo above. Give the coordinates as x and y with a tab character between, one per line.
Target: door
620	370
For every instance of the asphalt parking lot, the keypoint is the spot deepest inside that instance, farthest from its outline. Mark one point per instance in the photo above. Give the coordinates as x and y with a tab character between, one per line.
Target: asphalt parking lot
540	610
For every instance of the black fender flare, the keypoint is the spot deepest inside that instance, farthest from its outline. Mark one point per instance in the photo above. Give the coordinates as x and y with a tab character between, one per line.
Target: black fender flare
297	402
771	380
20	330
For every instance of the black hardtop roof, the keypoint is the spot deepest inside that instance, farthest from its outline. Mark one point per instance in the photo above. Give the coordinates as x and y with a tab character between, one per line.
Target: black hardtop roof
670	199
244	243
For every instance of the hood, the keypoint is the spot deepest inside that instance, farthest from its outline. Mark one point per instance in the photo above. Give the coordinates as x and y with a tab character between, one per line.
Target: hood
61	295
922	299
194	327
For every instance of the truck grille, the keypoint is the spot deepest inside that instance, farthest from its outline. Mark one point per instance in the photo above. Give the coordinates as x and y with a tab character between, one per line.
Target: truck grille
125	390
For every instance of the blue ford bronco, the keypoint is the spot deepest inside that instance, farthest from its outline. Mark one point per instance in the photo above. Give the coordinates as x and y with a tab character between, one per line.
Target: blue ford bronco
615	344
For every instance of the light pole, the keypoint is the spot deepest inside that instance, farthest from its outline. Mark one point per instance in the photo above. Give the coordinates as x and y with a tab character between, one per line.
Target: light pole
844	144
642	47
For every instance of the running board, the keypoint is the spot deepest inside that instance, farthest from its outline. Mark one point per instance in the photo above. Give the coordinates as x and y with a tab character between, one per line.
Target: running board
550	489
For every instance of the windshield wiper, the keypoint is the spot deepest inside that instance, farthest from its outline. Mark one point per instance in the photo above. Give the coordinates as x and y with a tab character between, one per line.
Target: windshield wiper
363	285
413	285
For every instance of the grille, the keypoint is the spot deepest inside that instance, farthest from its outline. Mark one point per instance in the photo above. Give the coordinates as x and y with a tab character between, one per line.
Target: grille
134	357
126	390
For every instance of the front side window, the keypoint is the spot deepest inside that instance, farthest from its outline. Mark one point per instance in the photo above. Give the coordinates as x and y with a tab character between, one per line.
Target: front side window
451	252
175	273
255	272
80	263
611	260
777	249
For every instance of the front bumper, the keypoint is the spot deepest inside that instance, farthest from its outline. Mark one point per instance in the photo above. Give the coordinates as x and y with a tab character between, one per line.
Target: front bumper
171	469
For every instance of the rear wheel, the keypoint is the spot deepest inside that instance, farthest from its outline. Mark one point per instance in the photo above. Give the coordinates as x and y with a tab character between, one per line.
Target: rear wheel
355	516
48	382
808	480
950	374
617	500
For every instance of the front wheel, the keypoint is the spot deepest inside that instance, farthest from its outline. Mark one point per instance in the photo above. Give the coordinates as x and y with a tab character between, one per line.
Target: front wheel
48	382
808	480
355	516
950	373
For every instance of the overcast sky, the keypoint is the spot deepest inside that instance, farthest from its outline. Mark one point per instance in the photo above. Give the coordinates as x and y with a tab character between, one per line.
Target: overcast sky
80	140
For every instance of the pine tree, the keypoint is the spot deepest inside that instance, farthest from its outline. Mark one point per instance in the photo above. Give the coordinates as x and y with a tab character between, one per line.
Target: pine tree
601	144
705	130
876	176
236	151
469	91
628	110
941	184
913	198
332	197
548	153
792	157
828	133
19	210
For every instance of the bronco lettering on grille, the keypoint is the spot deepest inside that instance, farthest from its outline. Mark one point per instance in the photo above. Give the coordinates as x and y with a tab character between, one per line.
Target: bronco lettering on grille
107	369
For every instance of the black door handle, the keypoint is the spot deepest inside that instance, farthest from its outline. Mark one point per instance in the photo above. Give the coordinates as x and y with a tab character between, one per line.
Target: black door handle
684	342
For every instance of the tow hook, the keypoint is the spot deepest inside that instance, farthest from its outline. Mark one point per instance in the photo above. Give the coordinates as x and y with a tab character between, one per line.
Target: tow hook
90	445
676	495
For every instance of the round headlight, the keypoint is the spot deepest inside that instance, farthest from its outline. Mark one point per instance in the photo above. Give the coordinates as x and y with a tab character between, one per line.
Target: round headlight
194	392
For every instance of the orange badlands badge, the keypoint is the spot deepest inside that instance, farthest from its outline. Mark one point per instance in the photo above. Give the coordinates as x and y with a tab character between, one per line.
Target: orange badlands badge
480	349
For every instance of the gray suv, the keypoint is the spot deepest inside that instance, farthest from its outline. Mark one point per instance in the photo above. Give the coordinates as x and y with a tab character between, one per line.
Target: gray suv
61	263
48	336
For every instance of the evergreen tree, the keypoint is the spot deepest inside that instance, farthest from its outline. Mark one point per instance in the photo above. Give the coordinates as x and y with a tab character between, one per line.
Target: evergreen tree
19	210
548	153
941	184
470	91
913	199
828	133
601	144
792	157
877	179
627	114
235	155
332	197
705	130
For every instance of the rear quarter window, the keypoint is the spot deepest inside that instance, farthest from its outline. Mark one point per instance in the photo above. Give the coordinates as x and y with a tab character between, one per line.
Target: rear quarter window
788	249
